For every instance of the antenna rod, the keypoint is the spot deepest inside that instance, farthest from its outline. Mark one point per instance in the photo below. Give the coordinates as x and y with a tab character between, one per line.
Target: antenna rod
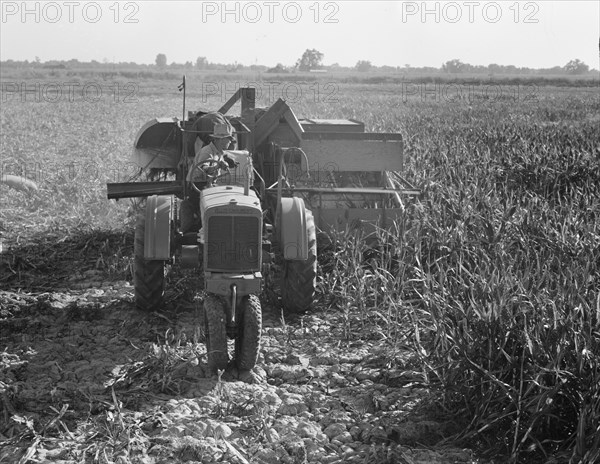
184	97
182	87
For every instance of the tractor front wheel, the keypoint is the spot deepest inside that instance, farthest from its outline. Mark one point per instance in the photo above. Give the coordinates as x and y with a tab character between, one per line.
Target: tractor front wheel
247	343
216	333
148	276
299	281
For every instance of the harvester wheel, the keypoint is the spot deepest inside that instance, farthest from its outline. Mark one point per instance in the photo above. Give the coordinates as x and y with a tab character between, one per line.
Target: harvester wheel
148	276
299	279
216	333
247	342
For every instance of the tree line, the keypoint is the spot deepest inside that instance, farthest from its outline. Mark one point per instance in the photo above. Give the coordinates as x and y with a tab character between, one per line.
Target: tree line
312	60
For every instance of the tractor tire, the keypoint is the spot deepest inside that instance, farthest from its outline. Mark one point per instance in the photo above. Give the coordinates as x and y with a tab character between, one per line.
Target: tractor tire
299	280
247	342
216	334
148	276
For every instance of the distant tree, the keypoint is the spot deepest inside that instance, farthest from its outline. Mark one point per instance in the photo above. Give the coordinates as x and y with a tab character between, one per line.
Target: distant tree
161	60
576	67
555	70
494	68
363	66
201	62
453	66
279	68
235	67
257	68
37	59
311	59
189	65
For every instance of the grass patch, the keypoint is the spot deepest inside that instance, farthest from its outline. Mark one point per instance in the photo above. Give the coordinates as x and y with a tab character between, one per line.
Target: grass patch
493	278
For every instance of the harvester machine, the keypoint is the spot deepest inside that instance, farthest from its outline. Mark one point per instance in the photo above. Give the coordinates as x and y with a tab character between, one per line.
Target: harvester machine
289	178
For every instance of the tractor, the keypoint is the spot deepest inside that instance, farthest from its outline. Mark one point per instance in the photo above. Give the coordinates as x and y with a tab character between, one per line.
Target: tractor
290	176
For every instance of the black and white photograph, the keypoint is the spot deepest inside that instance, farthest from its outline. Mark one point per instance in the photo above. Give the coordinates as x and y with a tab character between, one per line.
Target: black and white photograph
300	232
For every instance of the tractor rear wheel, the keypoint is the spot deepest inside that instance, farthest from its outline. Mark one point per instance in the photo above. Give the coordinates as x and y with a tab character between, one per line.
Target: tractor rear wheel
299	279
247	342
148	276
216	333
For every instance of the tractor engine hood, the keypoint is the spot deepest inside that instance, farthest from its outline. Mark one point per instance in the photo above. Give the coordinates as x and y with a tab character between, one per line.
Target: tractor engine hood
229	199
232	230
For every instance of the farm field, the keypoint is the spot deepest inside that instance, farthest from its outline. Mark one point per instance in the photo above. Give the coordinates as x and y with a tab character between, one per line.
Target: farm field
474	338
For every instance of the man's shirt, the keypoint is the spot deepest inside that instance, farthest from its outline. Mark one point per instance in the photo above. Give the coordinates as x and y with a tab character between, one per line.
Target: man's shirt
206	152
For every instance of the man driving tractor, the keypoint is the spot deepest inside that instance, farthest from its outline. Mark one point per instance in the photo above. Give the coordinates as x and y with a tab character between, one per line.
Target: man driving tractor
221	138
209	162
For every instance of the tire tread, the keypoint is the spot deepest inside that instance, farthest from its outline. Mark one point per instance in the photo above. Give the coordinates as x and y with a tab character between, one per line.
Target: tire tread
248	338
148	276
216	334
299	278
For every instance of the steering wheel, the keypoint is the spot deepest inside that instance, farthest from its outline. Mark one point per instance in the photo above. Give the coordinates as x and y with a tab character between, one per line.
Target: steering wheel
210	164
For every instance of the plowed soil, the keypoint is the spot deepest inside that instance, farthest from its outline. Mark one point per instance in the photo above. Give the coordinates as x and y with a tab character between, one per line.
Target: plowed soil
85	377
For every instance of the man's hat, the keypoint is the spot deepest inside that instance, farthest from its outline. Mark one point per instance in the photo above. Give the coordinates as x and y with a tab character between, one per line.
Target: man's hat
221	131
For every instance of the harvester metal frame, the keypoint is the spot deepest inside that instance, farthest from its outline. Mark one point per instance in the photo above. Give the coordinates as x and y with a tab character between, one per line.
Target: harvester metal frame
275	142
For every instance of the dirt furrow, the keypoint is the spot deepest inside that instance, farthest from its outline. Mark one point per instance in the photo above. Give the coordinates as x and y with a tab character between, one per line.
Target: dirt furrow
87	378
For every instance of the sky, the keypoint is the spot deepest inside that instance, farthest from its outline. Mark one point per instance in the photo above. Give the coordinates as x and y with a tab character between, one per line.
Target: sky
535	34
